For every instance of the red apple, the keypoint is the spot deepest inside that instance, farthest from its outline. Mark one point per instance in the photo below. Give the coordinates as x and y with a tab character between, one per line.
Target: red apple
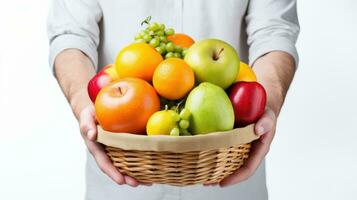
105	76
249	100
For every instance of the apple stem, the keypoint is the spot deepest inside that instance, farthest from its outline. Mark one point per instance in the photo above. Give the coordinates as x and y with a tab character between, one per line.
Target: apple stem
216	55
120	91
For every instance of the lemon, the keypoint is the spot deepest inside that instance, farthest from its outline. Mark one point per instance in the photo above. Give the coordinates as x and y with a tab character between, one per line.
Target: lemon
162	122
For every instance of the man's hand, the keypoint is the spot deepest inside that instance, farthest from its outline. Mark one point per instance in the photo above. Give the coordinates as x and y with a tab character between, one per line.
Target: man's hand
73	70
275	72
265	128
88	129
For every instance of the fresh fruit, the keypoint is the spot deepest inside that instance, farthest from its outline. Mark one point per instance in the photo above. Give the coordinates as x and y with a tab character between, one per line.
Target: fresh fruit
181	40
175	132
211	109
157	35
248	99
245	73
105	76
126	105
173	79
169	31
184	124
213	61
162	123
137	60
185	114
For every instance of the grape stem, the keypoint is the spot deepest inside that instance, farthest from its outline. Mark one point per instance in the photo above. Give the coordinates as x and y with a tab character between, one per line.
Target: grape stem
178	105
146	21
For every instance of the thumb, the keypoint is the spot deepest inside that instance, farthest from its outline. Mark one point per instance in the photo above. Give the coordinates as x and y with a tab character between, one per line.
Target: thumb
87	124
265	123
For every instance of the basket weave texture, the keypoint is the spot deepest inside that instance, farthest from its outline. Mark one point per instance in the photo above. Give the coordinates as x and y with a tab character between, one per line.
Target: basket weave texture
178	168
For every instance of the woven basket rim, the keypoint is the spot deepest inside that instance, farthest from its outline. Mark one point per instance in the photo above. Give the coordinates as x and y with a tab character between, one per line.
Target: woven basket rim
178	144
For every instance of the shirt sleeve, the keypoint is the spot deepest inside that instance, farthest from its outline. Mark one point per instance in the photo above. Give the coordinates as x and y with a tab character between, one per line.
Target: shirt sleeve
272	25
74	24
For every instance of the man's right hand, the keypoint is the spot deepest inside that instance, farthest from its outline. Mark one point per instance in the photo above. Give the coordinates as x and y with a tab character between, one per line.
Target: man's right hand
88	127
73	70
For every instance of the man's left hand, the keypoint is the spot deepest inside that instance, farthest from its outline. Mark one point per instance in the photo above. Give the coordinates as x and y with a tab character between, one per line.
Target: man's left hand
265	128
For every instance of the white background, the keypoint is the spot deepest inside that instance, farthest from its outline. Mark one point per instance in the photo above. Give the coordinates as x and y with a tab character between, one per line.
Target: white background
314	155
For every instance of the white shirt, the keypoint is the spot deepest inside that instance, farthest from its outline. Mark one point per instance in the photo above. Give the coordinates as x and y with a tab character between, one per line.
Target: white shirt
100	28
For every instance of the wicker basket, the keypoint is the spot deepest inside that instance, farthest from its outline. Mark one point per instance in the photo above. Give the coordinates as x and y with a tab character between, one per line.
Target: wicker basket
179	161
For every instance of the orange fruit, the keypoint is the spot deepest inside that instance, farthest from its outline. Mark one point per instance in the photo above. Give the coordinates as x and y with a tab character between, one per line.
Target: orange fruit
173	78
245	73
181	40
126	105
137	60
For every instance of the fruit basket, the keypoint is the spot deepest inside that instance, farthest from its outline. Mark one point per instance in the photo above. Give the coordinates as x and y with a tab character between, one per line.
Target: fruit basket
179	161
168	106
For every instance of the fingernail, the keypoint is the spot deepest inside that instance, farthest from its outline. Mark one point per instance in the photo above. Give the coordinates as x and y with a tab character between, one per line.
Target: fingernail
260	131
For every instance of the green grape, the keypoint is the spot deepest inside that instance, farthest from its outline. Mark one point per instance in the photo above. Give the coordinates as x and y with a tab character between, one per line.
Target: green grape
160	33
169	31
160	50
185	114
176	117
163	45
177	55
178	49
170	47
184	124
184	52
163	39
140	40
154	42
175	132
162	27
146	31
141	33
169	55
154	26
147	38
185	132
152	33
137	36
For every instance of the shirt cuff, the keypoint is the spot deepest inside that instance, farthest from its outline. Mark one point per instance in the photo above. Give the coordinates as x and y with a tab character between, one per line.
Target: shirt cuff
276	44
71	41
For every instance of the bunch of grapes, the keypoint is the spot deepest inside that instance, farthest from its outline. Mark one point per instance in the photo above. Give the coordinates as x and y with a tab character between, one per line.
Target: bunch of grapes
156	35
182	116
183	123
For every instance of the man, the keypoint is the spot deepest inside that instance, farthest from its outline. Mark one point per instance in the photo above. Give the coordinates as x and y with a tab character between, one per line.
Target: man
87	34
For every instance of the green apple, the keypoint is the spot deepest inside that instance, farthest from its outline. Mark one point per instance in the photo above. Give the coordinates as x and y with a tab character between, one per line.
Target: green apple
211	110
213	61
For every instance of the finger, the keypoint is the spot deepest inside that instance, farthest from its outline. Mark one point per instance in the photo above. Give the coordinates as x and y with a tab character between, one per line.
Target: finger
131	181
266	123
87	123
104	162
258	153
